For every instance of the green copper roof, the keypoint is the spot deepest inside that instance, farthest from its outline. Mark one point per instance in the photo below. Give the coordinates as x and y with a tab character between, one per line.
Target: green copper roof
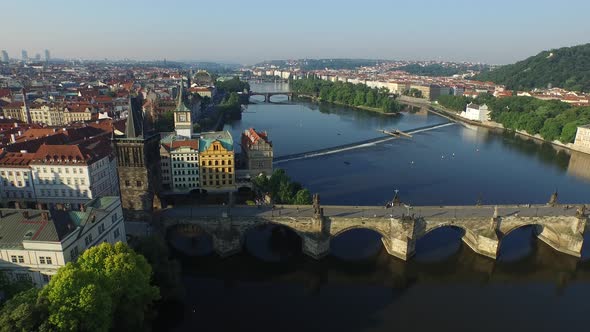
181	106
206	139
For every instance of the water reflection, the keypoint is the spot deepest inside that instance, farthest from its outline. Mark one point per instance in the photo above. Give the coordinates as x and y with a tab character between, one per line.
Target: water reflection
517	244
365	296
439	244
356	244
579	165
190	241
273	243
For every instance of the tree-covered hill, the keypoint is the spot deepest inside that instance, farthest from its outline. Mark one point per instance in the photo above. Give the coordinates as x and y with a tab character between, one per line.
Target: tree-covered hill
567	67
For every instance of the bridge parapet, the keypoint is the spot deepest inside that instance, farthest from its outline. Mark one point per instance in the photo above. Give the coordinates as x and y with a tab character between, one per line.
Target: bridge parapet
399	235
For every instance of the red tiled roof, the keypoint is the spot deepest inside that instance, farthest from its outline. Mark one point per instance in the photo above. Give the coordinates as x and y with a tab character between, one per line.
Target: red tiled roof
16	159
193	144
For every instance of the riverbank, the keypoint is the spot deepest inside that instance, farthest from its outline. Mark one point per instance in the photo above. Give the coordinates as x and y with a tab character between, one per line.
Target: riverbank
442	111
499	126
365	108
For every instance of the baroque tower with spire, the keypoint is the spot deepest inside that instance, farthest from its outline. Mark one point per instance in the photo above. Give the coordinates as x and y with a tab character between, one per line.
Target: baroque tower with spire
183	115
138	165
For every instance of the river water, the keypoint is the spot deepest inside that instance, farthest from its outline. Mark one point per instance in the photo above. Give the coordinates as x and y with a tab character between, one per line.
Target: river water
271	286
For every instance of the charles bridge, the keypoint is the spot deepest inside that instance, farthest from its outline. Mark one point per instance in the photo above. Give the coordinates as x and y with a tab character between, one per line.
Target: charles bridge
560	226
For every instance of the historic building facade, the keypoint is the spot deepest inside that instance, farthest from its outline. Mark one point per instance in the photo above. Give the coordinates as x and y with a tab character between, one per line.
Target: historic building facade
36	243
138	165
217	162
257	152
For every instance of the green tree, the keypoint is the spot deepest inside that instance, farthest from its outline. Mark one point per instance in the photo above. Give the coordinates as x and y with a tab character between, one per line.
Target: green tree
108	285
11	288
25	312
303	197
167	272
568	133
551	129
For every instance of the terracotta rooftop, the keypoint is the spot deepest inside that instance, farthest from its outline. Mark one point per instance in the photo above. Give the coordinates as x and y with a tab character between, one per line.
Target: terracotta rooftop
16	159
192	143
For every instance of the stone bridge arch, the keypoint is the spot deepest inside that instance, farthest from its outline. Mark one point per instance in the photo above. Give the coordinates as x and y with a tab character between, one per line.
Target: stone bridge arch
264	222
378	230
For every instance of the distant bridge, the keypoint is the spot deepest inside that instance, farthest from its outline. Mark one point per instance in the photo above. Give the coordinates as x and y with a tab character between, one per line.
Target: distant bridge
560	226
267	95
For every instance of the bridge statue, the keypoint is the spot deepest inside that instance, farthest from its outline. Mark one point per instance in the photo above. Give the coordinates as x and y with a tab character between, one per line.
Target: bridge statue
553	199
581	211
318	212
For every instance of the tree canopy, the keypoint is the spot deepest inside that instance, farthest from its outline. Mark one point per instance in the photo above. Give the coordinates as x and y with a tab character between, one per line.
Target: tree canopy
552	119
282	189
567	67
232	85
109	286
358	95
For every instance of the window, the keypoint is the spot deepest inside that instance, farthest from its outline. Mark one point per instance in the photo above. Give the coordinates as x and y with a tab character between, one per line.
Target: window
88	239
23	277
48	260
74	253
100	228
127	183
41	260
46	278
114	218
21	259
13	259
138	183
116	233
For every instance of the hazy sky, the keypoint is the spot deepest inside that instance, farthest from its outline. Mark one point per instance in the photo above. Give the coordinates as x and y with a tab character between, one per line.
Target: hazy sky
248	31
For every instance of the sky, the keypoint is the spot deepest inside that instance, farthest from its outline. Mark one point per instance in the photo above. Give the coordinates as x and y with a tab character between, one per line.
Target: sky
250	31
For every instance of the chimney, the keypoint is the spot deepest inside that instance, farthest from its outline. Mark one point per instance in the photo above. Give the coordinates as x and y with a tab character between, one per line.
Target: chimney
83	208
44	216
26	214
12	138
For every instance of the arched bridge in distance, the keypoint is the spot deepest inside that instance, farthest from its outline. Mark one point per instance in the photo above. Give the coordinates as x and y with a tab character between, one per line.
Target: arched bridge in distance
267	95
560	226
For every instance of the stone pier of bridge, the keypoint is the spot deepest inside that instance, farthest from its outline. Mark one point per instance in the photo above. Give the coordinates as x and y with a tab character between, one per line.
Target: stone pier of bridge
399	234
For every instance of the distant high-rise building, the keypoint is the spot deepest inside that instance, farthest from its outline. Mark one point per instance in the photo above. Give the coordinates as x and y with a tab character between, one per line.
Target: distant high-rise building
47	56
5	56
24	55
37	57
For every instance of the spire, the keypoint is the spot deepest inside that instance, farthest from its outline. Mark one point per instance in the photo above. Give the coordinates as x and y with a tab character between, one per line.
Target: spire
134	125
180	92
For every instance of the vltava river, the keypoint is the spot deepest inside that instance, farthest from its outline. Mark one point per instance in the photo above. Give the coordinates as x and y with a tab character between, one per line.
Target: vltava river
271	286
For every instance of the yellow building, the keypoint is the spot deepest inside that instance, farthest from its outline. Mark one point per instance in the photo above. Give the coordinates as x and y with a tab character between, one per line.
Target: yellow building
217	162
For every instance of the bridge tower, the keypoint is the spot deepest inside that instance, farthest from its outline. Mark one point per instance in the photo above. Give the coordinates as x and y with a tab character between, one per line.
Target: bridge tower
138	166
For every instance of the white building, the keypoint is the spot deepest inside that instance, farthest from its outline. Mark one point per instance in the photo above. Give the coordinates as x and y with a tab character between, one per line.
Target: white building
582	141
476	112
66	176
179	162
16	179
36	243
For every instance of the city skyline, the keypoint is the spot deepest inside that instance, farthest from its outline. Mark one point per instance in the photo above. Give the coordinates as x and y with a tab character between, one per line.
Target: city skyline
263	30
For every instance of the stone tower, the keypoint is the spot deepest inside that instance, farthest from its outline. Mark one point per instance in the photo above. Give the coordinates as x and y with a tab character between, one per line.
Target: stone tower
138	166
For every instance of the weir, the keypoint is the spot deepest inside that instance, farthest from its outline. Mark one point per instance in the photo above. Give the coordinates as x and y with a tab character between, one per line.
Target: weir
355	145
